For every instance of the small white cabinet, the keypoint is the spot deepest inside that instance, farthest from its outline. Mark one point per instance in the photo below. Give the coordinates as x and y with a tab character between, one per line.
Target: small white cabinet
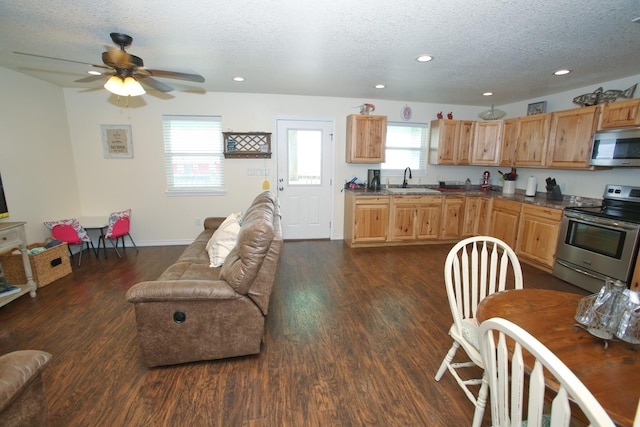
12	234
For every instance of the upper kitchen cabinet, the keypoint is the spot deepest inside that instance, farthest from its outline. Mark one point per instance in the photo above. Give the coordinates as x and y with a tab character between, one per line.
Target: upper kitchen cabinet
571	136
533	134
620	114
366	138
452	139
486	142
509	142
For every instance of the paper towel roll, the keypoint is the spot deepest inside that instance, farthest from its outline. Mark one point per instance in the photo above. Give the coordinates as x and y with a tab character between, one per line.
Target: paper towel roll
532	186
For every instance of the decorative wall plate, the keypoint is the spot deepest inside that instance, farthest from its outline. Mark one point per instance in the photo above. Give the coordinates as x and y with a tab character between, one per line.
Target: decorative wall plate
406	113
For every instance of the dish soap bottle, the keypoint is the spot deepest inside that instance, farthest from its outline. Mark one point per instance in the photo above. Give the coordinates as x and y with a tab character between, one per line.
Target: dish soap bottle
467	184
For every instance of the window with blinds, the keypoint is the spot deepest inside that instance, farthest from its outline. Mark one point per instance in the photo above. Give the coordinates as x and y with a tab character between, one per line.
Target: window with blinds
194	158
407	146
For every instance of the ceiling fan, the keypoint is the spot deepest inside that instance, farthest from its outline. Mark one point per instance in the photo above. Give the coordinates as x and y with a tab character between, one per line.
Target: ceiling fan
125	70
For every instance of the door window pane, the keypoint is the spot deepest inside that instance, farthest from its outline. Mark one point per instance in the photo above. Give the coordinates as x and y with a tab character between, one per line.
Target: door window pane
305	157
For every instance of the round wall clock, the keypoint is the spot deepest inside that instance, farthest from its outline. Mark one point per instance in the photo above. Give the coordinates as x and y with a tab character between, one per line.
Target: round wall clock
406	113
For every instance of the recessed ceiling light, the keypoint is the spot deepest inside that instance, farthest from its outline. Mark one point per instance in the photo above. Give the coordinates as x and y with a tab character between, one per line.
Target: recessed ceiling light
238	79
94	72
424	58
561	72
380	86
487	94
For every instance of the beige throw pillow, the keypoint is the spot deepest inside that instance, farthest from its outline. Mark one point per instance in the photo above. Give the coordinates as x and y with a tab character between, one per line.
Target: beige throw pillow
223	240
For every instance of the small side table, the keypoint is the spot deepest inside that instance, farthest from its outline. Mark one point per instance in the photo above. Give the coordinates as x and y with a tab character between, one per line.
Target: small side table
13	234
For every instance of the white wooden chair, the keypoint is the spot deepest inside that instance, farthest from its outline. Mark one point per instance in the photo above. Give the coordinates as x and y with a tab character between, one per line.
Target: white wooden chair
475	267
509	396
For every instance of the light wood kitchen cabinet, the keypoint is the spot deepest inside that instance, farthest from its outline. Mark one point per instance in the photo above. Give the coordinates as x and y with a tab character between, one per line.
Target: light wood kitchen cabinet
507	156
366	138
453	139
533	136
538	234
505	216
477	213
571	136
452	217
486	142
470	221
484	215
366	219
620	114
414	217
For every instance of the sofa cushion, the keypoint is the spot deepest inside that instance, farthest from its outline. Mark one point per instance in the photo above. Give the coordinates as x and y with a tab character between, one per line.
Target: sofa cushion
196	252
189	271
223	240
254	240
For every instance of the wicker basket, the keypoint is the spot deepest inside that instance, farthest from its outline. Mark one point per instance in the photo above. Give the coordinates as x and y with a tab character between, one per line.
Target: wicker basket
46	266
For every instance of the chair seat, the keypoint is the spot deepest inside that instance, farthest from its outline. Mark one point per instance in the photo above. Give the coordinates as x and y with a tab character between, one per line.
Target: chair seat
469	331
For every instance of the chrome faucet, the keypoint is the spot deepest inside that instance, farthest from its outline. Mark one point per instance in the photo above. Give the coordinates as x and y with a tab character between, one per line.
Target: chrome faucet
404	180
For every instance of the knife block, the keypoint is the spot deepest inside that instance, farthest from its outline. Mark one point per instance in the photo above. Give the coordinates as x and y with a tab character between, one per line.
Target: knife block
554	193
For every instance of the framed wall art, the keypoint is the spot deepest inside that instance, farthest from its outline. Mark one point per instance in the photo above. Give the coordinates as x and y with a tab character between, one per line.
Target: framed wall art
537	108
116	141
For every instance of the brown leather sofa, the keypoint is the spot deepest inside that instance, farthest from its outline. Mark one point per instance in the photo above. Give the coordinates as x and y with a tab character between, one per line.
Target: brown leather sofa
22	398
194	312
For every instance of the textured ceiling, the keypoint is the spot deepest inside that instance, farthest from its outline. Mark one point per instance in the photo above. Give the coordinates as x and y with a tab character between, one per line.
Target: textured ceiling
338	47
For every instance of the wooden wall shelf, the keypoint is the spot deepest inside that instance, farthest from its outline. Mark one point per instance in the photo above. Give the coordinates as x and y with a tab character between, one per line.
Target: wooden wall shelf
247	145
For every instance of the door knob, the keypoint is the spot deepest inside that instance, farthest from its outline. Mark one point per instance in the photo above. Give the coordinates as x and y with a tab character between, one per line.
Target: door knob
281	188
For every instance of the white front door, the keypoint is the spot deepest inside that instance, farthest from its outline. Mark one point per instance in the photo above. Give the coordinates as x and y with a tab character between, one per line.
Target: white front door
304	177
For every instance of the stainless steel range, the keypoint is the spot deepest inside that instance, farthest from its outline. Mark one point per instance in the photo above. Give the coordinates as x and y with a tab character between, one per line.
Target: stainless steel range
601	241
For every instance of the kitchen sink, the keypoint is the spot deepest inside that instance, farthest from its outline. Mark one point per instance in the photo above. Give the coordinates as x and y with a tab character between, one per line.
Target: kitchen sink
412	190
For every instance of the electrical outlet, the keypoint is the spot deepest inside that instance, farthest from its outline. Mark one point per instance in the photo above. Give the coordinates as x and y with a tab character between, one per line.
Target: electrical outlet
197	221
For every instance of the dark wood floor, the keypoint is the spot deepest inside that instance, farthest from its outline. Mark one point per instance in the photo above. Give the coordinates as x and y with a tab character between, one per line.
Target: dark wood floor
354	338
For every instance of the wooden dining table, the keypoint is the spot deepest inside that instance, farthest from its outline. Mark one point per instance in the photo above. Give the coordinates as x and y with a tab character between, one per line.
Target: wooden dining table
611	373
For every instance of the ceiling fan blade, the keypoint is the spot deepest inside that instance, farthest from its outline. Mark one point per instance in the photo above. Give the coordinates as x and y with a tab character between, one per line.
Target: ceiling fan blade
121	60
60	59
158	85
92	78
176	75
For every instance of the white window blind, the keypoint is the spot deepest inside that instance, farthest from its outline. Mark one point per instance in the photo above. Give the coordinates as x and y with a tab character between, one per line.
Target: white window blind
407	146
194	157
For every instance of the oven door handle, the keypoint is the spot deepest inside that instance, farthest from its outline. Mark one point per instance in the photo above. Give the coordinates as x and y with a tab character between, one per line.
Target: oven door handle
597	221
579	270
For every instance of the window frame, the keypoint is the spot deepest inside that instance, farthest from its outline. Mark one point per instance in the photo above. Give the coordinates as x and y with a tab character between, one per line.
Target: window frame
216	152
424	151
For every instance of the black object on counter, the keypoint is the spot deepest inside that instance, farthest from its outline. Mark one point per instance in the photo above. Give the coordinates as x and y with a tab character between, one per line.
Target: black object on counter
553	190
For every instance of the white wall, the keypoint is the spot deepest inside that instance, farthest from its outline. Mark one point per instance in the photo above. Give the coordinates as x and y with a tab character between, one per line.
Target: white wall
36	160
139	183
52	164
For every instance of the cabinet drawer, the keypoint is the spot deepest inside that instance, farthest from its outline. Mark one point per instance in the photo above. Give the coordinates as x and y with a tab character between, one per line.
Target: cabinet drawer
9	239
371	200
416	199
549	213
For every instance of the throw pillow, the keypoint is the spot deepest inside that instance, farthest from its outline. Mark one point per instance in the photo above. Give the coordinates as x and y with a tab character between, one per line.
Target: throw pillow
223	240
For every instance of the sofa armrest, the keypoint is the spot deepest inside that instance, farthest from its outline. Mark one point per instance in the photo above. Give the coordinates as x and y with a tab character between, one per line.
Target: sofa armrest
17	370
181	290
213	222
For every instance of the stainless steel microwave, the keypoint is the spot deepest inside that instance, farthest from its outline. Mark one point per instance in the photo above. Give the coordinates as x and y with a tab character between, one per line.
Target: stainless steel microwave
616	147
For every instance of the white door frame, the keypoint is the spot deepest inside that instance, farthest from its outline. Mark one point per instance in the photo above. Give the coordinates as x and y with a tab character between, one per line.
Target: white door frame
331	156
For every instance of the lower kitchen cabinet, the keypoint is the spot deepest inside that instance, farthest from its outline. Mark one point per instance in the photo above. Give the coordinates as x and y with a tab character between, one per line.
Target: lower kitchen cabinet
366	219
414	217
477	214
538	234
452	217
505	216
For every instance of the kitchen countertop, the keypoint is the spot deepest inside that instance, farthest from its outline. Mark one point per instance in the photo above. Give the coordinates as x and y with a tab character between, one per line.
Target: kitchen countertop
519	196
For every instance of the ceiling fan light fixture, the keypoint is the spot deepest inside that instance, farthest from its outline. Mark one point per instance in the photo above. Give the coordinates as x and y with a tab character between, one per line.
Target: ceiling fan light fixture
115	85
127	87
132	87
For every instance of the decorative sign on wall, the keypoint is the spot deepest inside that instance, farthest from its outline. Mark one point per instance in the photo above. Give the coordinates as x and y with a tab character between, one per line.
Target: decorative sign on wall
116	141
